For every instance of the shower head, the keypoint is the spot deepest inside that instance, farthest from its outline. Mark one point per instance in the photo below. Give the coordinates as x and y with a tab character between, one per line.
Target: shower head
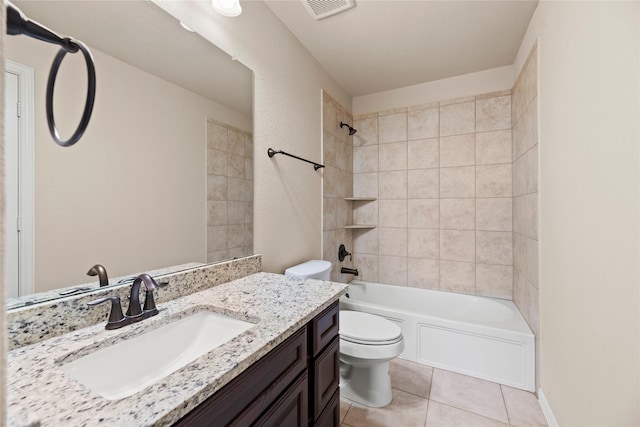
351	130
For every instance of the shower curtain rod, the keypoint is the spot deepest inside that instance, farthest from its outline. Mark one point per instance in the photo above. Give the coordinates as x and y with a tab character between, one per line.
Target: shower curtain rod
271	152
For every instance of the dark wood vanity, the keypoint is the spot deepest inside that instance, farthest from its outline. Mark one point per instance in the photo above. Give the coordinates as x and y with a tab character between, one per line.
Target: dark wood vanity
295	384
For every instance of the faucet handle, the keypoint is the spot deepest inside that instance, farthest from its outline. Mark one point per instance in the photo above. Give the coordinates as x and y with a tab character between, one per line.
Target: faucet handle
115	316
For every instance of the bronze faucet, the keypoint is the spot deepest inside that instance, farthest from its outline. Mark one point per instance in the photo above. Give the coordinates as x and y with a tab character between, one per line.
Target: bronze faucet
135	313
101	272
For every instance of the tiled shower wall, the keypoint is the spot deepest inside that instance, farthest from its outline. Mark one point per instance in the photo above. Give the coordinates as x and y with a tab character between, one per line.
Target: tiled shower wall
442	176
337	184
525	193
229	192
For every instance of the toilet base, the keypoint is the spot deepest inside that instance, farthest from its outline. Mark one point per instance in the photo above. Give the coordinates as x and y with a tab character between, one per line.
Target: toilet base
368	386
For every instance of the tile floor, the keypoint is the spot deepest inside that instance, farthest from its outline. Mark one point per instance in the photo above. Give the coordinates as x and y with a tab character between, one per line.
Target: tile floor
429	397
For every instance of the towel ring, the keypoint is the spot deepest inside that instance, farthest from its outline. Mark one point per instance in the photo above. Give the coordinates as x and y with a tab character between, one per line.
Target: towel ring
91	93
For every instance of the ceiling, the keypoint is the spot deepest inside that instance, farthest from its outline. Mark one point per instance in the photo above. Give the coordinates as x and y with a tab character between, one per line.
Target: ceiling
145	36
387	44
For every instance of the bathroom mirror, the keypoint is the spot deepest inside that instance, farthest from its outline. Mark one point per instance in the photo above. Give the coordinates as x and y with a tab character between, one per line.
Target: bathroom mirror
148	186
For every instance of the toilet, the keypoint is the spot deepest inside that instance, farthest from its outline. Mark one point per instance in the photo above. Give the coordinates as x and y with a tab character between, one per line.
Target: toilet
367	344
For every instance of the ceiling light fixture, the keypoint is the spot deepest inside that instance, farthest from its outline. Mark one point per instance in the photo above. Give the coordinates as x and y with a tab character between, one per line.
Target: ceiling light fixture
227	7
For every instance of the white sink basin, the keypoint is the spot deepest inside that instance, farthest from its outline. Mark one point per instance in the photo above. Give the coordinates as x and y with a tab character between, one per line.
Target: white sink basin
127	367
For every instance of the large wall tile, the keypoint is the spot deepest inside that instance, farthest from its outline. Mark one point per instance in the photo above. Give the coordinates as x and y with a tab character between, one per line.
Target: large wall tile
493	181
423	273
423	183
494	247
494	280
423	153
458	245
367	266
367	132
458	214
366	241
365	159
365	212
392	241
525	173
393	270
494	214
493	113
393	185
457	276
423	213
424	123
493	147
393	156
525	213
458	182
392	213
392	128
457	119
365	184
458	150
423	243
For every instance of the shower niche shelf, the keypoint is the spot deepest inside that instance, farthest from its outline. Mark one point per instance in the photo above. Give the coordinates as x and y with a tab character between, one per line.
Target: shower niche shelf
360	226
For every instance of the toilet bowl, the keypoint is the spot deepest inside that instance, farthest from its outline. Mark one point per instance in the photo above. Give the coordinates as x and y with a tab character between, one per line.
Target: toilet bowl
367	344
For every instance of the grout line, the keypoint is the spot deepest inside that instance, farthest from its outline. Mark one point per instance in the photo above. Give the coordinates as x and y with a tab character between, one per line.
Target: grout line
505	404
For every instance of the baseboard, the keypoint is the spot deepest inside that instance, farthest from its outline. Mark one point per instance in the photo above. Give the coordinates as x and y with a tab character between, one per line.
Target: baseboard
546	409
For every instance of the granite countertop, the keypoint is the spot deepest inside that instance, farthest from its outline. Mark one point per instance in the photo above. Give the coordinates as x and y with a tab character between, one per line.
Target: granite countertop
38	391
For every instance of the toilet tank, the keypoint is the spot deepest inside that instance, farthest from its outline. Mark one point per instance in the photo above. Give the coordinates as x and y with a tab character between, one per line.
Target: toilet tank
314	269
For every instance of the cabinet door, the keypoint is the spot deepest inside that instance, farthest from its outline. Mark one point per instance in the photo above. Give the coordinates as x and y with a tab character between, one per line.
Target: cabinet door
330	417
247	396
325	327
290	410
326	377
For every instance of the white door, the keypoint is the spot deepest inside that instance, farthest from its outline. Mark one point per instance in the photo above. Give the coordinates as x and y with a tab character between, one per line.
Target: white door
19	178
12	183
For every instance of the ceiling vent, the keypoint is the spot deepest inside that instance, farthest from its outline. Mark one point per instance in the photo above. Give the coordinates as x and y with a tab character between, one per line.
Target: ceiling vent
323	8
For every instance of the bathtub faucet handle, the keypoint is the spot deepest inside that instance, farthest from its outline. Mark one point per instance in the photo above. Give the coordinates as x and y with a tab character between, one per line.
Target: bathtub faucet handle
342	253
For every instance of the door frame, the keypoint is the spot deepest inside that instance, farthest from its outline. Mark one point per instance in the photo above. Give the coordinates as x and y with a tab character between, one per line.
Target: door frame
26	96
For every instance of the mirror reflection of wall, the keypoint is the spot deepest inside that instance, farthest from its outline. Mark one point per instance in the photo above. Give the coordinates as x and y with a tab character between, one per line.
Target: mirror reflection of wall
229	192
132	194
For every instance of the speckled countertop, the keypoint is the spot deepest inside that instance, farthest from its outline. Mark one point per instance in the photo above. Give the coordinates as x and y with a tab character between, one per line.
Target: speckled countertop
38	391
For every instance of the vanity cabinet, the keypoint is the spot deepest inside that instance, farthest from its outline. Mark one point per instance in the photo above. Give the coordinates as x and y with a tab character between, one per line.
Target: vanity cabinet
295	384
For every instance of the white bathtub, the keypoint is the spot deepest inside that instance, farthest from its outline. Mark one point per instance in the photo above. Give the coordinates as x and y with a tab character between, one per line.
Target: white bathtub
483	337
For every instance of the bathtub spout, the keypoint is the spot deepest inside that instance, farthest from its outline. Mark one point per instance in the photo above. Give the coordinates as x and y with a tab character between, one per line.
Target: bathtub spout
346	270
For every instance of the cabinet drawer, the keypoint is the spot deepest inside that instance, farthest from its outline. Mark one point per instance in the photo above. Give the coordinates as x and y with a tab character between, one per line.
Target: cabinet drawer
290	410
330	417
325	327
326	377
247	396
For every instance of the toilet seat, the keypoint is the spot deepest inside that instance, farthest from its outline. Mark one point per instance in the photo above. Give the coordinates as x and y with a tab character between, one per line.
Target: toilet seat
367	329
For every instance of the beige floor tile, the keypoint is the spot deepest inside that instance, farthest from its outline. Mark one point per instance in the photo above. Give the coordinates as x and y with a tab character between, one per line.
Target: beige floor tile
412	377
523	408
440	415
406	410
471	394
344	408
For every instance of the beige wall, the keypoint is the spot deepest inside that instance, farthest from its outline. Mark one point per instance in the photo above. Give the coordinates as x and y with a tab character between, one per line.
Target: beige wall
442	175
337	184
287	111
589	209
132	194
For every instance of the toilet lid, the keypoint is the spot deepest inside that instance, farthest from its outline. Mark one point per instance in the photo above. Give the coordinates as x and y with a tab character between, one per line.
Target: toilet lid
365	328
